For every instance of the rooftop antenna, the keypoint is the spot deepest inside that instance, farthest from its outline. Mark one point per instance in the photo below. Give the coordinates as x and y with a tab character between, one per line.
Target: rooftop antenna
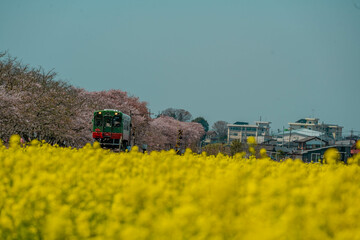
313	113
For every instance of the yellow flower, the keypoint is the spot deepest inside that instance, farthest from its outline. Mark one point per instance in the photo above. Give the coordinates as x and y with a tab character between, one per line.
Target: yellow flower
252	151
51	192
15	141
263	153
332	156
251	140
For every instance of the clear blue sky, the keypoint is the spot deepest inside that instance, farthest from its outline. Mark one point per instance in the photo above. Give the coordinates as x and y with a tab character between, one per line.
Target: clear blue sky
226	60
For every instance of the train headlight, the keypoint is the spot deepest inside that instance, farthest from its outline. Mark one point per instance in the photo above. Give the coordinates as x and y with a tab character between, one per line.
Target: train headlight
116	113
99	112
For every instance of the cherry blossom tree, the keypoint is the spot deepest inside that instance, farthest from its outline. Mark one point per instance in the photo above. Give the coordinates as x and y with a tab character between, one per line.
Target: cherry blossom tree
120	100
34	104
163	133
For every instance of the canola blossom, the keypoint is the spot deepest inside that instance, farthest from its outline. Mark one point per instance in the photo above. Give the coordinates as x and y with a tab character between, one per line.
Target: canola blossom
48	192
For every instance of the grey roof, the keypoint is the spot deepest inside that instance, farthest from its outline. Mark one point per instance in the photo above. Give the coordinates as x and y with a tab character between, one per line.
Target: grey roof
304	132
309	139
326	147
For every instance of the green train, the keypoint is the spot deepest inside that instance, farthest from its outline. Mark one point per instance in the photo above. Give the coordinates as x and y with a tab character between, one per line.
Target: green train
112	129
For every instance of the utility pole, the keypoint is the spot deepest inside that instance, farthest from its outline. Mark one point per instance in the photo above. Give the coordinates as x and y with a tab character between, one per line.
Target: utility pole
178	141
133	135
257	130
289	138
245	134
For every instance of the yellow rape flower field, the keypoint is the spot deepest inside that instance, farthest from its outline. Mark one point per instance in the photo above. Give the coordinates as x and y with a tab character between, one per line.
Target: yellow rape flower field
48	192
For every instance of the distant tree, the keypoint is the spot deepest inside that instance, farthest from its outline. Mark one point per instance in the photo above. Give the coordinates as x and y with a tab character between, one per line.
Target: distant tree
203	122
220	127
179	114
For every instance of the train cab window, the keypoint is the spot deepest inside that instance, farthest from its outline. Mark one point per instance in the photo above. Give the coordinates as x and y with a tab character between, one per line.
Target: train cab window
98	120
117	121
107	122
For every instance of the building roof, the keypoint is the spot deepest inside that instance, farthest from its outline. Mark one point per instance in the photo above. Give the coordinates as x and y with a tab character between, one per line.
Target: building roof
283	149
211	134
309	139
345	142
241	123
326	147
301	121
304	132
305	121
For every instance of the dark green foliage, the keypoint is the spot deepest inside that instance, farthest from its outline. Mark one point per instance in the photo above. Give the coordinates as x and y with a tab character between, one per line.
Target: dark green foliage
179	114
203	122
236	147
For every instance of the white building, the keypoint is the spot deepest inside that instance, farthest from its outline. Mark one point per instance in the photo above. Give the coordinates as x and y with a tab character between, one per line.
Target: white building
242	130
330	130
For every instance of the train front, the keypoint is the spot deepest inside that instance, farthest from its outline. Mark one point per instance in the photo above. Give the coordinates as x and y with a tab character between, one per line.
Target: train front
107	129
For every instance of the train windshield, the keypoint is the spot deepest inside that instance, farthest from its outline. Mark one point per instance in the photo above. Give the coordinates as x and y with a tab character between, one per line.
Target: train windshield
98	120
107	122
117	121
